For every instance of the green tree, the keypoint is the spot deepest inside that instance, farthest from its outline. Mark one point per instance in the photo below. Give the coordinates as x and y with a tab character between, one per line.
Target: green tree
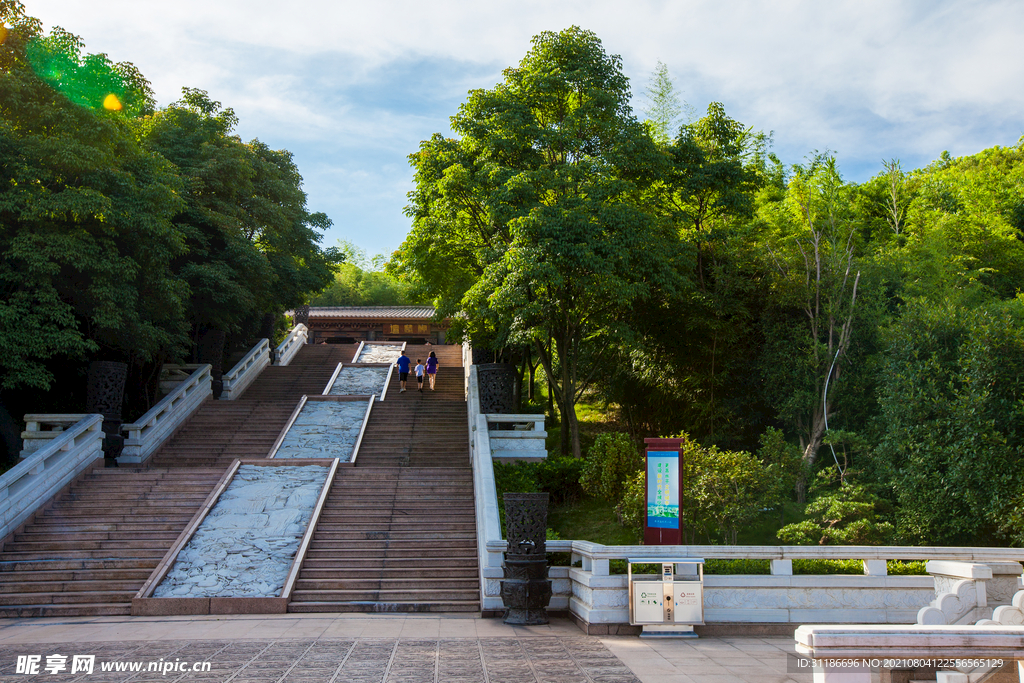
251	244
86	237
841	513
815	256
952	398
533	213
664	107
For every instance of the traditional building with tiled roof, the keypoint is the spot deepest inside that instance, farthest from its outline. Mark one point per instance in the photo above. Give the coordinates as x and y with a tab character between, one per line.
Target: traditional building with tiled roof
347	324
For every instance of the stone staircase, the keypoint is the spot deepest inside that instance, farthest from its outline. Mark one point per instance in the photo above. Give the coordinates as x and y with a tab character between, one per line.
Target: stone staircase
398	531
91	549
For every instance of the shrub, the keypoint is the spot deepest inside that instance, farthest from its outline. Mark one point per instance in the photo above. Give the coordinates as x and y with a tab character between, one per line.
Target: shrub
611	461
560	477
633	506
741	566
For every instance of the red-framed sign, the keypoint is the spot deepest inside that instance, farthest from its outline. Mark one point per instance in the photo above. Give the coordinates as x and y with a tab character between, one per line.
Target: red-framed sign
664	484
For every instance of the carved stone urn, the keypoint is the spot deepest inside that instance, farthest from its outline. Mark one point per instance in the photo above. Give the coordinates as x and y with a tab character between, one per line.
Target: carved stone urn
104	394
497	382
526	590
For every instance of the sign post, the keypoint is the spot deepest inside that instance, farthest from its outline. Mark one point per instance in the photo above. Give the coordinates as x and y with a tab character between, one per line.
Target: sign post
663	522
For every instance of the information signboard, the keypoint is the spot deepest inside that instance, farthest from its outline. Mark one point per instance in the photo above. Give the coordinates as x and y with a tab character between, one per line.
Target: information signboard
663	524
663	489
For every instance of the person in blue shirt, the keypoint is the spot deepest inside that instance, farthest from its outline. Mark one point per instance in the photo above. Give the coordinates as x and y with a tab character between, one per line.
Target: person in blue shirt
403	369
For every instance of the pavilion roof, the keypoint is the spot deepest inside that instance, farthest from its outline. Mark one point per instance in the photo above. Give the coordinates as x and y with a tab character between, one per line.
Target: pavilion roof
377	312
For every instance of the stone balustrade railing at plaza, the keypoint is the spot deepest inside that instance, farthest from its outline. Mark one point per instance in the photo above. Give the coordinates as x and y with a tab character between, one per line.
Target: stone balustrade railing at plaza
292	344
147	434
237	379
57	449
598	599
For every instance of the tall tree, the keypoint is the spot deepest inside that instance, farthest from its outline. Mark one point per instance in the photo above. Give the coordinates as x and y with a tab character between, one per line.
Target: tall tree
537	204
664	108
817	267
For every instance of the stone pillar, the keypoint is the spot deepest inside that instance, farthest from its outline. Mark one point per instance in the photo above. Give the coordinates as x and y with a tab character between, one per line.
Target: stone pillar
104	395
267	329
211	350
526	590
301	316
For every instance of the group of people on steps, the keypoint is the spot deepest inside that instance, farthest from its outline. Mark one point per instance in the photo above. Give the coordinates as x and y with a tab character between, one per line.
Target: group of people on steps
430	370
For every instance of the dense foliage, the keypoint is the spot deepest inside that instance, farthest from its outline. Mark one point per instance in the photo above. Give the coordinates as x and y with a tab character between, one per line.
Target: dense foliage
126	232
697	284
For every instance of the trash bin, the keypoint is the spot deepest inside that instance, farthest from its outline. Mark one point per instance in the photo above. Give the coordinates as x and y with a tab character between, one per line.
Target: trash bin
668	604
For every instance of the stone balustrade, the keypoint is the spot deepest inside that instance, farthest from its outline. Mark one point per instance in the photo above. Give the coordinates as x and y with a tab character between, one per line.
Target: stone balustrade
57	449
292	344
524	442
237	379
148	433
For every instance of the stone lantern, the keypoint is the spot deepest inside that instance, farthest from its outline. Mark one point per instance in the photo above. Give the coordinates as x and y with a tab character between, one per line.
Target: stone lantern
526	590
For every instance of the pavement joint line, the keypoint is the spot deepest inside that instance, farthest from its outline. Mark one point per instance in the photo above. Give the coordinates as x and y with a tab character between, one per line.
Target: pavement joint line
437	661
296	662
253	659
351	649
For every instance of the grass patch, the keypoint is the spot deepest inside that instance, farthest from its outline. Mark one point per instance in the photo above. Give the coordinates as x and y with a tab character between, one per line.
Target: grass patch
590	519
762	530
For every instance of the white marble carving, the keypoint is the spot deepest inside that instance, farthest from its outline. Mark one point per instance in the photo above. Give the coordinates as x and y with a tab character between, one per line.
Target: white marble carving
353	381
1009	615
246	544
953	604
380	353
324	429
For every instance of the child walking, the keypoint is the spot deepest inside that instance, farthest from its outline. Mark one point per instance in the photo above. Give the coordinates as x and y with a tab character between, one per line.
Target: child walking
419	374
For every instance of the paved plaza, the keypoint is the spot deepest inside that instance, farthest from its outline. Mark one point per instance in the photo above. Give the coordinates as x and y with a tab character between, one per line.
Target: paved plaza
379	648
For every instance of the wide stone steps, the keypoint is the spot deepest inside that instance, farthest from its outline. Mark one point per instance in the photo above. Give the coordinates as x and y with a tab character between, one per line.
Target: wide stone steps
89	551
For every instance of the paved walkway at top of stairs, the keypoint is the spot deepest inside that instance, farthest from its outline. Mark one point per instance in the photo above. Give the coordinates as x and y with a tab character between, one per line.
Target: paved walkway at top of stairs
355	648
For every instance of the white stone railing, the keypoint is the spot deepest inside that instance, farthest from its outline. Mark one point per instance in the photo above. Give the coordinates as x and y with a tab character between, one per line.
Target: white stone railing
148	433
488	526
291	345
966	592
524	442
874	597
237	379
904	645
49	466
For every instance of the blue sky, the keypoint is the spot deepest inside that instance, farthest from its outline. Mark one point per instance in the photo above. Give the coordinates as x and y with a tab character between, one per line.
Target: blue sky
350	88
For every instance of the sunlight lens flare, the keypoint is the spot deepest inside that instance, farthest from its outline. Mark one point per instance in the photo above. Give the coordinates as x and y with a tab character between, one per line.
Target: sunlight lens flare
89	81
